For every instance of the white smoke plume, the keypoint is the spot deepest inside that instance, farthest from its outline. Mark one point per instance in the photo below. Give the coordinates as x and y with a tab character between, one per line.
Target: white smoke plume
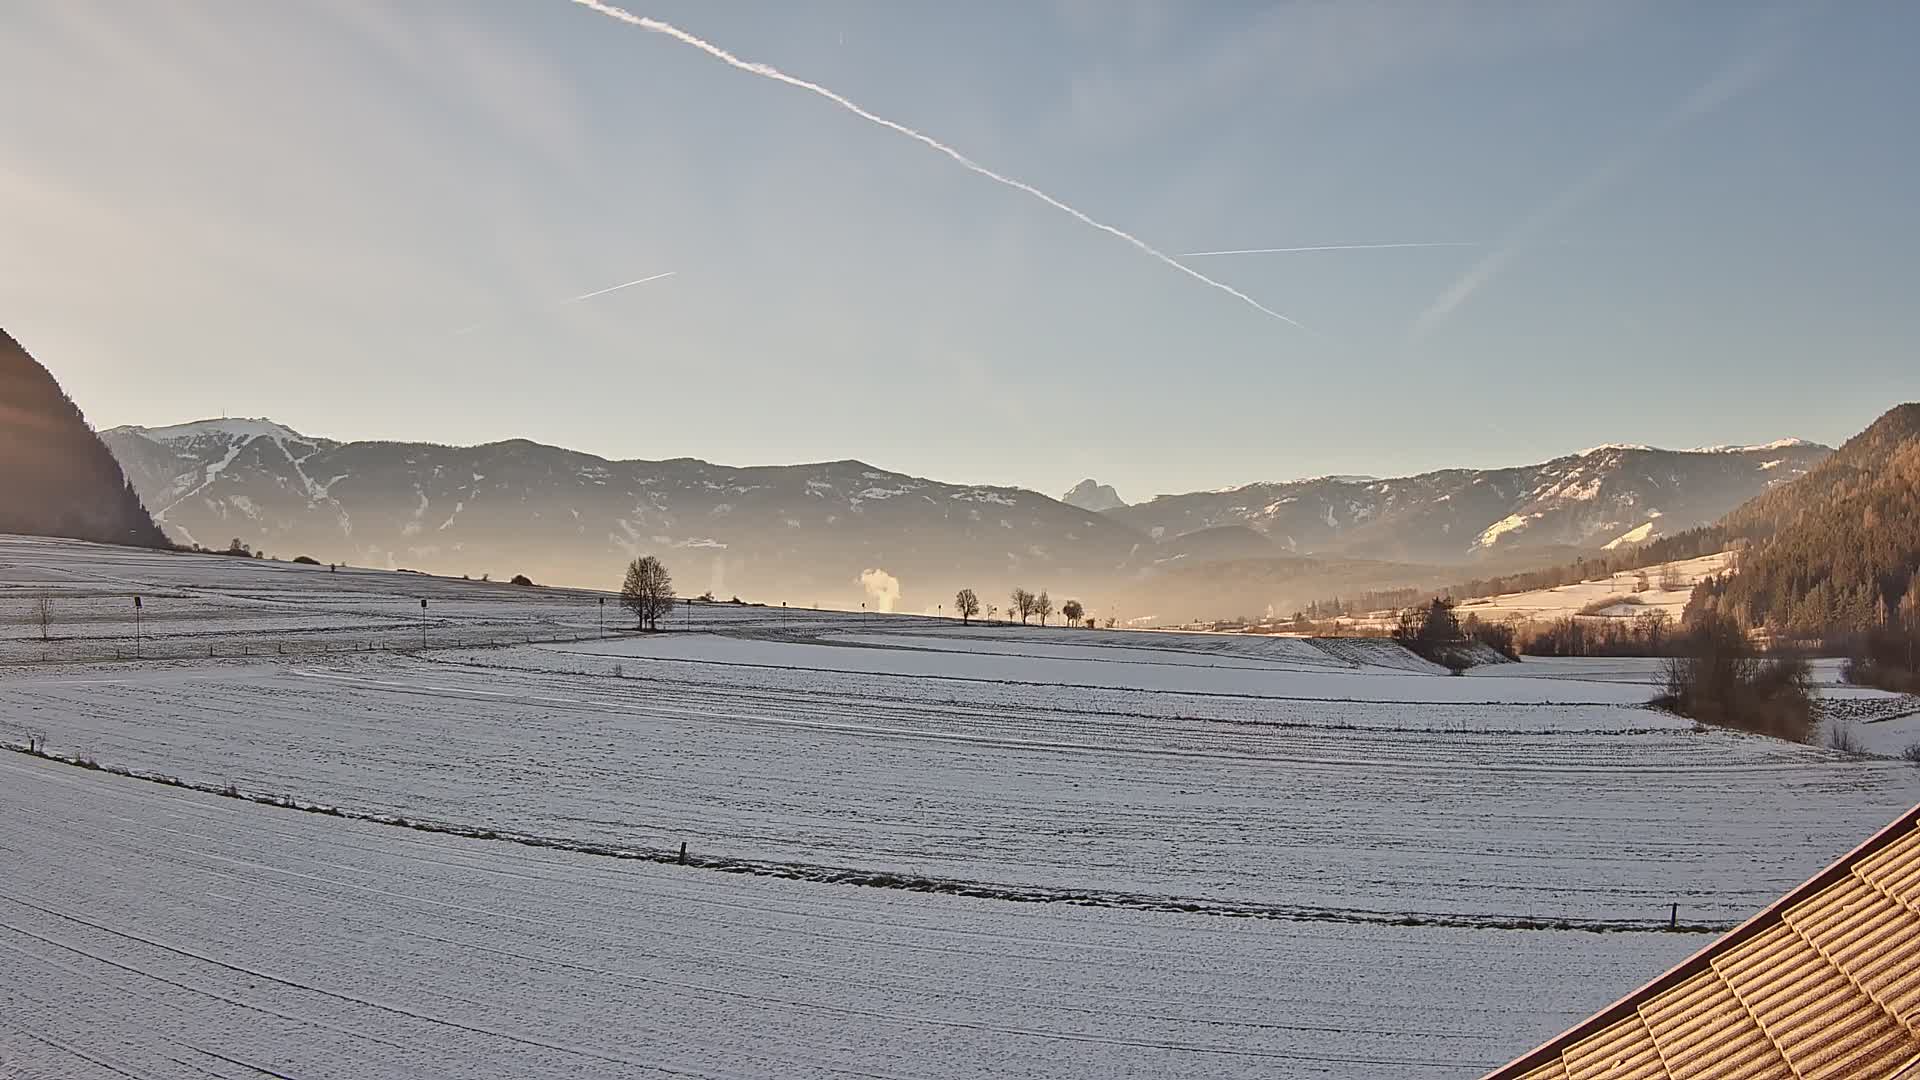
768	71
883	589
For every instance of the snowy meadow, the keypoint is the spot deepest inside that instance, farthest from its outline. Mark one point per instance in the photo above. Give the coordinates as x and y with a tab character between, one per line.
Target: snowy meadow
397	841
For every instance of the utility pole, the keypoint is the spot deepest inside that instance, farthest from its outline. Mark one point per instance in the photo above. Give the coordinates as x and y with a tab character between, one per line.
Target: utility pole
603	616
423	622
136	626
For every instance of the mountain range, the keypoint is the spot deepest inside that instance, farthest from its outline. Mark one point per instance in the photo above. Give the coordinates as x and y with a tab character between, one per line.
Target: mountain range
1607	496
804	534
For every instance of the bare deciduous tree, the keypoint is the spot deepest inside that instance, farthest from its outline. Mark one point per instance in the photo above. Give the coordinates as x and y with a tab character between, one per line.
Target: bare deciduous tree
648	591
43	614
1021	603
967	604
1043	607
1072	611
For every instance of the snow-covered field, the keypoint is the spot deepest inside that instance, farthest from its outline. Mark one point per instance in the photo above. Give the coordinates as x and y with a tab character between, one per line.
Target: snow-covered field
151	932
1567	601
1381	828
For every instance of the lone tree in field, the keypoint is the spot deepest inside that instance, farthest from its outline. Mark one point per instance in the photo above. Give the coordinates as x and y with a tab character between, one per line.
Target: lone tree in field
1043	607
1072	611
967	604
1020	603
43	614
648	591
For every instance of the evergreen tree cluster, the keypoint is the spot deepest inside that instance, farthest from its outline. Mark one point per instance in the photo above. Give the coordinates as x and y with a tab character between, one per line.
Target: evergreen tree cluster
1835	555
56	477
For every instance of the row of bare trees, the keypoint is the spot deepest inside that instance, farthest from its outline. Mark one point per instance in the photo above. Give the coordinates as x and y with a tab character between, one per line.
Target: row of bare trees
1020	602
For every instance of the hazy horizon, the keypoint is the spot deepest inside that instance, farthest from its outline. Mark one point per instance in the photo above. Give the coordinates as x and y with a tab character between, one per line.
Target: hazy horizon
1510	232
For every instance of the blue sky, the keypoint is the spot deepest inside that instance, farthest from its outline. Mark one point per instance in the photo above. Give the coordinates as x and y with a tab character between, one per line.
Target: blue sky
1689	224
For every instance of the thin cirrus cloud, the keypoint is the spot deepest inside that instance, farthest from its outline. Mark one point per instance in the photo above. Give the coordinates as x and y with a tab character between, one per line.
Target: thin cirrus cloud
1740	74
767	71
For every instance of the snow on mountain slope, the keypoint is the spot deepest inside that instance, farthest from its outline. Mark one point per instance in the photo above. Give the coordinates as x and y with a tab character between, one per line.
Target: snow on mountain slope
1590	499
800	533
236	428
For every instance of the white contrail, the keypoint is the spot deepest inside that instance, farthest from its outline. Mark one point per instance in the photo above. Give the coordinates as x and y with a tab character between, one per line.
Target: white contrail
1326	247
768	71
558	304
614	288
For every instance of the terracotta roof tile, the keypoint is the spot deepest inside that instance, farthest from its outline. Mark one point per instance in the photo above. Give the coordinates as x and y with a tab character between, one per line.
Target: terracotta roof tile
1704	1033
1624	1051
1823	985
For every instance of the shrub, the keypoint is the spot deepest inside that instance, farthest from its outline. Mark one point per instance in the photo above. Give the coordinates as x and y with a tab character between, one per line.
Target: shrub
1840	735
306	560
522	579
1432	632
1498	636
1911	754
1887	657
1646	634
1716	679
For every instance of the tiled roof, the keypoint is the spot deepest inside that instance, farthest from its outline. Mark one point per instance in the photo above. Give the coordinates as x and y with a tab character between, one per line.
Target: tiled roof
1823	984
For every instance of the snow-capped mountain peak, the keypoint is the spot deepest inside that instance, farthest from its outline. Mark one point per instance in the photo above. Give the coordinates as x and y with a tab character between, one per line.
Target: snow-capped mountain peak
1788	443
228	427
1091	495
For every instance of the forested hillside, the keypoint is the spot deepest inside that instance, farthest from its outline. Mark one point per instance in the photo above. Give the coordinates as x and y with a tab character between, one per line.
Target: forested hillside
1835	553
56	477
